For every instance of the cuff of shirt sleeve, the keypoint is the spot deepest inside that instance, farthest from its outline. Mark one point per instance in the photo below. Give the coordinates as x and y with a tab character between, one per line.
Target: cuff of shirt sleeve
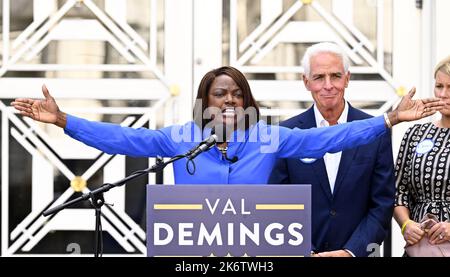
70	123
380	120
350	252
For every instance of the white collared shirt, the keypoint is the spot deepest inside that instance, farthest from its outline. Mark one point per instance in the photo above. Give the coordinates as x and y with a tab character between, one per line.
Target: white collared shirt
331	160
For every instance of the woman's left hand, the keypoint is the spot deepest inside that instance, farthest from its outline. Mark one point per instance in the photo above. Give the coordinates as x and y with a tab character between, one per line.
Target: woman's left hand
439	233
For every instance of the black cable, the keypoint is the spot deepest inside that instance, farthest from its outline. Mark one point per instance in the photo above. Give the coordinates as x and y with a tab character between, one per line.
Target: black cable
232	160
187	167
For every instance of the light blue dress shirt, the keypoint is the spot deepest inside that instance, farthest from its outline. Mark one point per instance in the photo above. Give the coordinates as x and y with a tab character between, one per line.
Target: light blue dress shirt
256	148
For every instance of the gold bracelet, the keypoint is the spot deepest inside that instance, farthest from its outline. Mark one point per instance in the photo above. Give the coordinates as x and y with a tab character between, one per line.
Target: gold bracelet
387	121
404	225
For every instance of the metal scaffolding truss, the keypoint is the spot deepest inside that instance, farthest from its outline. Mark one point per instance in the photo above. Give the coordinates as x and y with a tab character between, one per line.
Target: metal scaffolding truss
277	27
109	26
49	24
46	159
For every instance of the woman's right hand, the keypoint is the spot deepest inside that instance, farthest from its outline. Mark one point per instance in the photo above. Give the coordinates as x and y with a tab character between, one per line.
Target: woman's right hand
413	233
45	110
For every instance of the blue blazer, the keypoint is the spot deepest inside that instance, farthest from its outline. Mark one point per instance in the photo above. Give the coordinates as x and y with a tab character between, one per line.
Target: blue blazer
359	211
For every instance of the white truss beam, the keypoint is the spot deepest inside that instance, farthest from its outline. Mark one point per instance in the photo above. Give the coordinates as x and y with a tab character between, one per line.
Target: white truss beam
355	44
29	231
61	88
76	29
270	10
117	9
38	34
24	231
117	32
276	26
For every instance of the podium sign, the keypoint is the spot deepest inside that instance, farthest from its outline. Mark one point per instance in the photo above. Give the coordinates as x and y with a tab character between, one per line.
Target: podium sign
228	220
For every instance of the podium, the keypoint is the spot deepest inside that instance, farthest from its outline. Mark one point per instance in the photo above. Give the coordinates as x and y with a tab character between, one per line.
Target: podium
228	220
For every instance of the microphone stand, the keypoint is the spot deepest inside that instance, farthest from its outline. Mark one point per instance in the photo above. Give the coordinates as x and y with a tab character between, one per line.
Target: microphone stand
97	200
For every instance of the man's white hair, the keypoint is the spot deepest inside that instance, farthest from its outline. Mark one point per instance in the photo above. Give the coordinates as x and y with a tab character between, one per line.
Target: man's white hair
324	47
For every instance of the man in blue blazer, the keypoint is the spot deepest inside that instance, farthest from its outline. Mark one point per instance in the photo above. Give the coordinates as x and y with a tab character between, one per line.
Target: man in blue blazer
352	191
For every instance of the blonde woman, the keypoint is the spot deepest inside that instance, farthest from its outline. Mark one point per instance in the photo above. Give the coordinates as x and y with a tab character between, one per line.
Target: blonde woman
423	171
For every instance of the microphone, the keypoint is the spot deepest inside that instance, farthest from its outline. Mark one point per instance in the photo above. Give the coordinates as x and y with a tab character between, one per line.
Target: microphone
222	137
205	145
232	160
